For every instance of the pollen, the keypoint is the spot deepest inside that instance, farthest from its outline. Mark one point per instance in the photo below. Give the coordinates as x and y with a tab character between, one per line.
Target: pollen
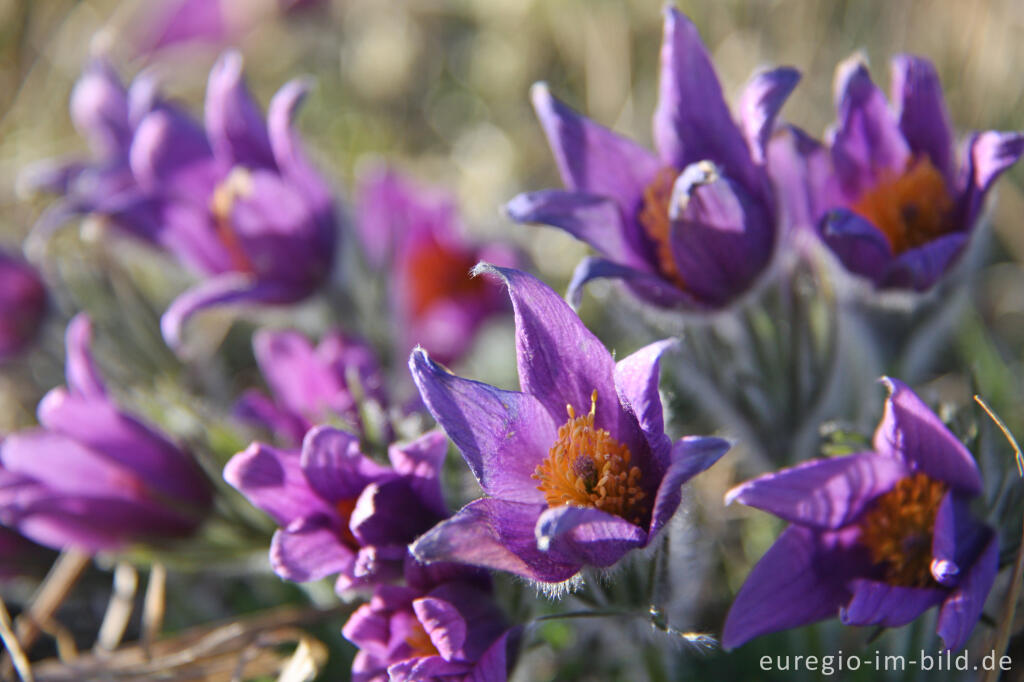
653	216
237	185
586	467
898	529
911	209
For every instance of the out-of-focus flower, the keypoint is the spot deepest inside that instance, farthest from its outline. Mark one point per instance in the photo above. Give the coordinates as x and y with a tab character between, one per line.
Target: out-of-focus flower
239	202
576	467
22	305
417	236
20	556
885	194
449	631
875	537
311	385
94	477
339	511
691	226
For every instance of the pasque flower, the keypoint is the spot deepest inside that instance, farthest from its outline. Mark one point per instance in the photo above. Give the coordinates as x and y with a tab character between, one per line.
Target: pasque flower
238	201
576	467
876	538
690	226
339	511
93	476
415	235
22	305
311	384
885	193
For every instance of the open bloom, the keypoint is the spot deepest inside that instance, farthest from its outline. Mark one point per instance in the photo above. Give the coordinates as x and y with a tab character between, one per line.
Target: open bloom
576	467
311	385
339	511
22	305
885	194
876	538
690	226
238	201
94	477
416	236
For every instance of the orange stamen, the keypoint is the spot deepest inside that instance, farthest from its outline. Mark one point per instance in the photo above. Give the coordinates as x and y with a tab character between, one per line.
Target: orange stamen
898	530
419	641
911	209
237	185
586	467
345	509
654	218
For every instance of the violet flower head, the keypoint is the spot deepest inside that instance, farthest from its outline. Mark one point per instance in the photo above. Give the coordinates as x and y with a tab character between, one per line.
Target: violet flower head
576	467
885	193
239	202
691	226
340	512
311	384
876	538
449	631
417	235
93	476
22	305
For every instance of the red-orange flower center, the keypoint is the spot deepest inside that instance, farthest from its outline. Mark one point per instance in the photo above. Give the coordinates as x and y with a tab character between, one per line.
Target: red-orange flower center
898	530
237	185
586	467
438	272
419	641
653	216
911	209
345	509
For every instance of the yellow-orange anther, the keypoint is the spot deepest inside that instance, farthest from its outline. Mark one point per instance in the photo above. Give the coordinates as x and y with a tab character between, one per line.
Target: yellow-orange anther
420	643
237	185
345	509
653	217
911	209
586	467
898	530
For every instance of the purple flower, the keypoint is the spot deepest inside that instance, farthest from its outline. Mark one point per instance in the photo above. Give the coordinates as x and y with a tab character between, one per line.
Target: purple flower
576	468
451	631
92	476
22	305
885	194
339	511
416	236
690	226
238	201
310	384
875	537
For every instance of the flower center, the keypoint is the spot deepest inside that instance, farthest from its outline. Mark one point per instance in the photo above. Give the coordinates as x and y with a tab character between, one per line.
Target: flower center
419	641
586	467
237	185
911	209
898	530
438	272
653	217
345	509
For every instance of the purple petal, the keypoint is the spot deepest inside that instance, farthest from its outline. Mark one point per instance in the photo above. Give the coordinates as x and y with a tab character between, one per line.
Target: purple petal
989	154
503	435
800	580
646	286
233	120
82	375
587	535
860	246
825	493
687	132
878	603
957	539
420	462
800	168
494	534
962	608
759	105
295	373
596	220
636	378
494	665
920	268
334	466
690	456
443	623
99	110
593	159
388	513
867	143
921	110
310	548
170	156
287	148
256	408
273	481
911	433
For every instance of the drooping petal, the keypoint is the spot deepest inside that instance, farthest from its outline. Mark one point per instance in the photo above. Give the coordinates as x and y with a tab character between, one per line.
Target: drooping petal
649	287
503	435
273	481
420	463
690	456
912	433
334	466
692	122
233	120
921	110
80	369
825	493
989	155
879	603
759	105
592	158
495	534
586	535
309	549
920	268
962	608
636	378
860	246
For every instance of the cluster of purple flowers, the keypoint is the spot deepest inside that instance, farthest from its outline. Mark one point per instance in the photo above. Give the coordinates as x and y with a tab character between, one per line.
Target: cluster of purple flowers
576	468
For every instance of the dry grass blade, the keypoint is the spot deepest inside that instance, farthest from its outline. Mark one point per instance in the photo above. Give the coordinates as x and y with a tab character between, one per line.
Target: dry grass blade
305	663
18	656
120	607
154	606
